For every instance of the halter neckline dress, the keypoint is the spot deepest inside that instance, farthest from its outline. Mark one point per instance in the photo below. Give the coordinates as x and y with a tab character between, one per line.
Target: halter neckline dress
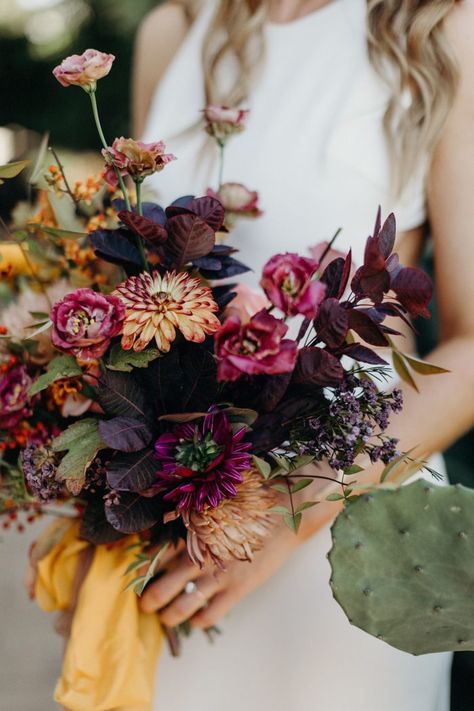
314	149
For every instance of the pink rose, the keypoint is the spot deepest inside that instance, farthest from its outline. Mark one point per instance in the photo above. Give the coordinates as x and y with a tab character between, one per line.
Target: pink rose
84	323
15	402
135	158
288	283
84	69
222	122
237	200
254	348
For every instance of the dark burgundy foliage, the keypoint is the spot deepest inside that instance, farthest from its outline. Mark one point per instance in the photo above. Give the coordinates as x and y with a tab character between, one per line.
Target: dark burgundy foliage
132	472
134	513
316	366
366	328
94	526
117	247
189	237
125	434
414	290
332	323
147	229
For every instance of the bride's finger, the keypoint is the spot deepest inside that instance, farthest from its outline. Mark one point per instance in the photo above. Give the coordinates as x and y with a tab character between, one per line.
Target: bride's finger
159	593
187	604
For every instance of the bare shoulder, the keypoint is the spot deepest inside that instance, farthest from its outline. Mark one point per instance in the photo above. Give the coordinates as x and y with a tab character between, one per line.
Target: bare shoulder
159	37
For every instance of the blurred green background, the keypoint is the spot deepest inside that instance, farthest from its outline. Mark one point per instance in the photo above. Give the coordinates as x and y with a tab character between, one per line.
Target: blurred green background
34	36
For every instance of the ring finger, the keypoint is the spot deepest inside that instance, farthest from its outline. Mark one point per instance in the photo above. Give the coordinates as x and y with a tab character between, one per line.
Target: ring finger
184	606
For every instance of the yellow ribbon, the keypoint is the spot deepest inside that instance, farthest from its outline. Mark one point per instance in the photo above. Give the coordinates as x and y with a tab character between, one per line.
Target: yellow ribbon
111	656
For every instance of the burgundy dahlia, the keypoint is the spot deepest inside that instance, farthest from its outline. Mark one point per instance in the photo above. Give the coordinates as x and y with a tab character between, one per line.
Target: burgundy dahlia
257	347
202	464
84	322
15	402
287	280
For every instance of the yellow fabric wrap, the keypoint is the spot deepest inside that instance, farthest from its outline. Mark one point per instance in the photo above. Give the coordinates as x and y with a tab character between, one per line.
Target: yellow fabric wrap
112	652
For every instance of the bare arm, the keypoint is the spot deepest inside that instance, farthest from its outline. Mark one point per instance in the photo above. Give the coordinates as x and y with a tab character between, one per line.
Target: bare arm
159	37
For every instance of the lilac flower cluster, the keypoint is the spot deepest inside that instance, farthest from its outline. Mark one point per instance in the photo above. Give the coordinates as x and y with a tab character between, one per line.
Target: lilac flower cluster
39	464
357	414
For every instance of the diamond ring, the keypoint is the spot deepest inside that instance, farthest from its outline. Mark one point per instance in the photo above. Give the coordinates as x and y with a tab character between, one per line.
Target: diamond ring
192	589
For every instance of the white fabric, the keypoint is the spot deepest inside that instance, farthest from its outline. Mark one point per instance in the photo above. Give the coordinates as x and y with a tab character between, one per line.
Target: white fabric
314	149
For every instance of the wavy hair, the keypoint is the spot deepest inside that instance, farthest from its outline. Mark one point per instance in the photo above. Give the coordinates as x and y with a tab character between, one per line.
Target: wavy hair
406	46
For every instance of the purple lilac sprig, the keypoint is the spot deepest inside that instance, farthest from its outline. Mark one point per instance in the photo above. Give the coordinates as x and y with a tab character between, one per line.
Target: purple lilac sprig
355	421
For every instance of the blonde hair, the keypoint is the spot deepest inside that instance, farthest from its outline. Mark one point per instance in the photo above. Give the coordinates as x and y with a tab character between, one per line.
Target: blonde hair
406	46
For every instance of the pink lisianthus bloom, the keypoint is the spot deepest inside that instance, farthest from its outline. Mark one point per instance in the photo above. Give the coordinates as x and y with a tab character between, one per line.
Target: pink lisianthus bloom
15	402
84	323
134	158
237	200
84	69
246	303
257	347
287	280
222	121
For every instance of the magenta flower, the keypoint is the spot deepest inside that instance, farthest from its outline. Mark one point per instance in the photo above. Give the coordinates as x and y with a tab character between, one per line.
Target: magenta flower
202	464
287	280
222	121
84	322
84	69
256	347
15	402
134	158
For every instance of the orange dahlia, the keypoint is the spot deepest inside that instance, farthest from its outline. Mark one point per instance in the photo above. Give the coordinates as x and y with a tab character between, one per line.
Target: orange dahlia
157	306
236	528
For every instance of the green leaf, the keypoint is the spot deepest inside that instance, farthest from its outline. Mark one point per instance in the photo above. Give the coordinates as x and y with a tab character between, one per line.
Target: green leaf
134	583
126	361
293	522
151	569
279	510
301	484
39	162
281	488
282	462
263	467
354	469
306	505
424	368
402	370
392	466
58	368
39	315
334	497
63	234
41	329
11	170
82	441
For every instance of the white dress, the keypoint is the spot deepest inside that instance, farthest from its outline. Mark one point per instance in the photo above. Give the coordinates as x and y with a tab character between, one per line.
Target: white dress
315	151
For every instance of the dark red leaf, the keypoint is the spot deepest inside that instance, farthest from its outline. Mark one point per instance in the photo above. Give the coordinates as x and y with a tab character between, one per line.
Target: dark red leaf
133	472
189	238
332	277
126	434
414	290
372	285
396	311
116	246
316	366
208	209
332	323
367	329
143	227
134	513
387	236
364	354
346	272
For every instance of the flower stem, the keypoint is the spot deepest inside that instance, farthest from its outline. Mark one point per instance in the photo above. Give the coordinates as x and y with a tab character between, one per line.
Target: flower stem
138	186
221	164
95	111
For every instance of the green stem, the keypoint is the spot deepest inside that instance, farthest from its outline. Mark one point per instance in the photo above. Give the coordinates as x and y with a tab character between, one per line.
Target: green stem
221	164
138	186
95	111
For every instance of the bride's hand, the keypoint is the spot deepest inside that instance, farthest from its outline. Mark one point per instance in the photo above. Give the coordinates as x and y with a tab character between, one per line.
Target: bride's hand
214	592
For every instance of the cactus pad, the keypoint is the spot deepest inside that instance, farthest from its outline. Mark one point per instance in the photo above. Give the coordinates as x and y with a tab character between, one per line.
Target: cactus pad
403	566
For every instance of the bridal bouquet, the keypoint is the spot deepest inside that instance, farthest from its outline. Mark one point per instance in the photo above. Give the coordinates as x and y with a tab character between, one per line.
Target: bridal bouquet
160	401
